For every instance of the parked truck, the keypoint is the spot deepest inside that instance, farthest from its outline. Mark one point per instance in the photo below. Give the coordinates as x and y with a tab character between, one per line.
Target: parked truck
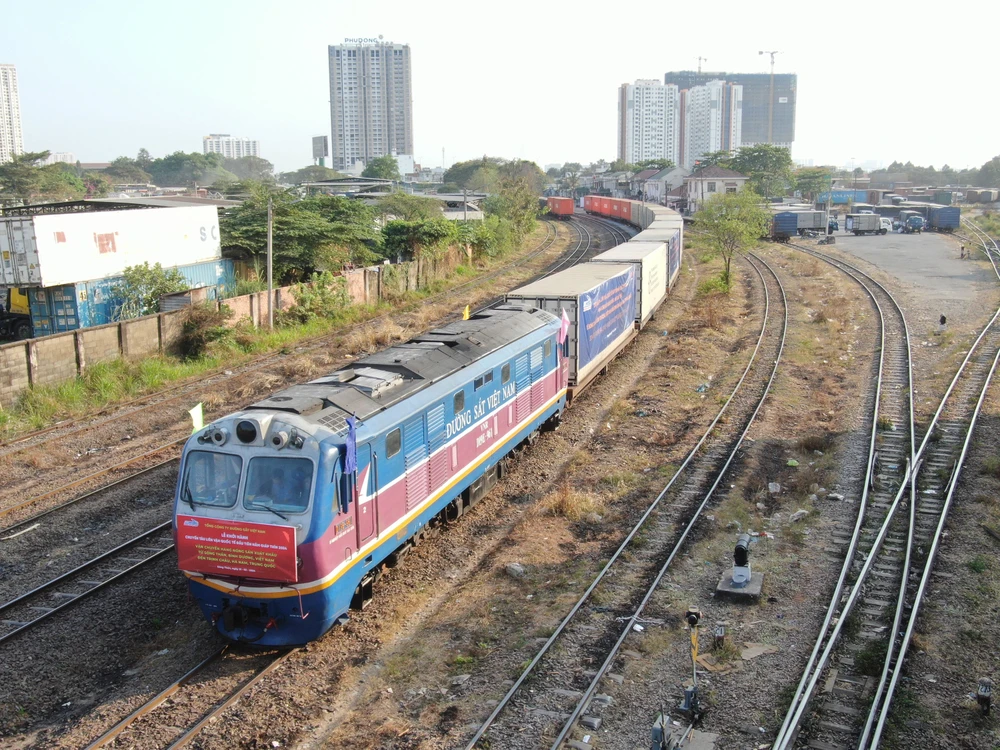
15	315
865	224
911	221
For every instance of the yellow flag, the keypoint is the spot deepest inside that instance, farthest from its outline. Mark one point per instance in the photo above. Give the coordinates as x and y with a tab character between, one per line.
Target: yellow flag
198	417
466	313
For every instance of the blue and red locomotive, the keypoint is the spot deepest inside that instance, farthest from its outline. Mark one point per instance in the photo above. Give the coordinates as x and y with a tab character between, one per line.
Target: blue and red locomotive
286	511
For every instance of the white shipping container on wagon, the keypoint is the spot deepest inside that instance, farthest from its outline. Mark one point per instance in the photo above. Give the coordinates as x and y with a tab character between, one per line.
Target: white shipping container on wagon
55	249
599	300
650	259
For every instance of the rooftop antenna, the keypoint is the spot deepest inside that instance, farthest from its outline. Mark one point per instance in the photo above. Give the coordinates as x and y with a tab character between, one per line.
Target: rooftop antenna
700	59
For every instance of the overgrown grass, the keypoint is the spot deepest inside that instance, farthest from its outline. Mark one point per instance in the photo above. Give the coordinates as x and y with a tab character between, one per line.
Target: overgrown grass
714	285
105	384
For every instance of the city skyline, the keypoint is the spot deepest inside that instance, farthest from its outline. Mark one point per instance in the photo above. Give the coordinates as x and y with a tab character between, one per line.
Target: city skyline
472	93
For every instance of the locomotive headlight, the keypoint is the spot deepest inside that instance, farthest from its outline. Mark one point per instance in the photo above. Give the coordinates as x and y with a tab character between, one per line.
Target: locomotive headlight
220	436
246	431
279	439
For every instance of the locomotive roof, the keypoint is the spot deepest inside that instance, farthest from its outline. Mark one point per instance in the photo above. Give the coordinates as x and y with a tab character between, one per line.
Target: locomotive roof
378	381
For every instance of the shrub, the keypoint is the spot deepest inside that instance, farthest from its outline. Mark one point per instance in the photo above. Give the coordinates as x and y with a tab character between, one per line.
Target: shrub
714	285
323	297
202	325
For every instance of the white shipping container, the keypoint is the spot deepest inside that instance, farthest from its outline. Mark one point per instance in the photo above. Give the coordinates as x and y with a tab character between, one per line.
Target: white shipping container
69	248
650	258
18	253
599	300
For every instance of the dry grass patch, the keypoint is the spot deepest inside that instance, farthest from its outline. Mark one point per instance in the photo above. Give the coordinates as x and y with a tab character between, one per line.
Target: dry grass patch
574	505
374	337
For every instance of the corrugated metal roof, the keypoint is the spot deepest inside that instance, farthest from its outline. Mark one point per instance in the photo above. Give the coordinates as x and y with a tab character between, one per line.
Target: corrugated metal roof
571	282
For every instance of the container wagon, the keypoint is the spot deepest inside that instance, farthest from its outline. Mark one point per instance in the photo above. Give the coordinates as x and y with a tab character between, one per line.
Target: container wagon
784	226
599	300
972	196
943	197
988	196
945	218
561	208
650	262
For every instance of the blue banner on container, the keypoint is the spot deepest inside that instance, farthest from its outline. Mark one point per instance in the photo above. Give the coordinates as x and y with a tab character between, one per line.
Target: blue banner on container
674	256
605	314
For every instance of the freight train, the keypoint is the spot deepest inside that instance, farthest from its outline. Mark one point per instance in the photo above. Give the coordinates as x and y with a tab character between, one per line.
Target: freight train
288	511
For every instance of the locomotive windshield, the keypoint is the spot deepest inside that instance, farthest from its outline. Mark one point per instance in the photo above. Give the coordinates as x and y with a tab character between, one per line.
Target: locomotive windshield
212	479
278	484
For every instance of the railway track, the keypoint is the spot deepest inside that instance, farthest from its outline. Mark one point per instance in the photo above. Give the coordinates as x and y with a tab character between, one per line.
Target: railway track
556	689
182	389
21	614
862	651
237	669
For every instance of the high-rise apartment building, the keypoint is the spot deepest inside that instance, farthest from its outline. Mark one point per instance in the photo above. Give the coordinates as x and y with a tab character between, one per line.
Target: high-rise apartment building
763	121
229	146
713	120
371	104
648	121
11	138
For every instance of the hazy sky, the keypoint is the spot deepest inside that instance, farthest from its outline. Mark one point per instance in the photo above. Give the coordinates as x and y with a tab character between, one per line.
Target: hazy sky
515	79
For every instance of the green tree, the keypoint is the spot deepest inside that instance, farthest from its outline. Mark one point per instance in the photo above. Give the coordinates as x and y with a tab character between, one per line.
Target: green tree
302	237
383	168
250	168
409	207
143	159
141	287
515	201
22	176
657	164
769	167
553	172
812	181
181	169
734	222
989	173
59	182
96	184
620	165
714	159
411	239
461	171
124	170
570	167
312	173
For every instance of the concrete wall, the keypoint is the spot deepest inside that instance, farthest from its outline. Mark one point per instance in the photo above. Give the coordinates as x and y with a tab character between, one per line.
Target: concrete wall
54	359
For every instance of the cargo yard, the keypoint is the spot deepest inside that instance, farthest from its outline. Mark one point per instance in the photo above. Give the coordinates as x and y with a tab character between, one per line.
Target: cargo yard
363	402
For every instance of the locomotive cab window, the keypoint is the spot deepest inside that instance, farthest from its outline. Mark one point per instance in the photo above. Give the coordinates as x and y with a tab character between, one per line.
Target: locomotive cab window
486	377
278	484
212	479
505	374
459	402
548	348
392	443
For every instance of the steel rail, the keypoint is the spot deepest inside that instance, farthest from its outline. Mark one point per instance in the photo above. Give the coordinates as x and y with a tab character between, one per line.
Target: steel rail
512	691
154	702
85	594
256	363
616	649
811	672
929	563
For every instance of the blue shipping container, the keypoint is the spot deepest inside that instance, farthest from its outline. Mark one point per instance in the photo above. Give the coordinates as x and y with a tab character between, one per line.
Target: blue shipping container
94	303
605	314
784	225
946	218
841	197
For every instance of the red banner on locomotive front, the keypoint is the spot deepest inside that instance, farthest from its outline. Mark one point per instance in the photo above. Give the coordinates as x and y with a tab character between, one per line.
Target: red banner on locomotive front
236	548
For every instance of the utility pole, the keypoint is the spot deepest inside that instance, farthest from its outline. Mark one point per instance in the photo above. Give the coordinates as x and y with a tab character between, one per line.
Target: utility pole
270	255
465	204
700	59
770	104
